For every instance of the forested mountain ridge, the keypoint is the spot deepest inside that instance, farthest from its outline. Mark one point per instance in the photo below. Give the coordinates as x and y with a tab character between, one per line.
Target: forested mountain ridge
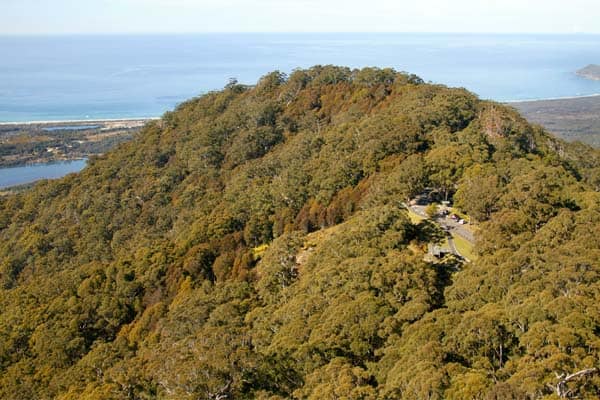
253	244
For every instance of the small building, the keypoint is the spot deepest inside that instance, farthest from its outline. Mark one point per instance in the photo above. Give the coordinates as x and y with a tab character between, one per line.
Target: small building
437	251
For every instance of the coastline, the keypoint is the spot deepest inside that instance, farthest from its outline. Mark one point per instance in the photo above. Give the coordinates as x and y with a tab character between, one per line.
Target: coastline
51	162
42	142
590	77
140	119
78	121
573	119
585	96
22	176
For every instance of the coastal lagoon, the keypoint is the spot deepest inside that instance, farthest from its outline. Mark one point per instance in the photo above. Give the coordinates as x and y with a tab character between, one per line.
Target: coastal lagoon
14	176
116	76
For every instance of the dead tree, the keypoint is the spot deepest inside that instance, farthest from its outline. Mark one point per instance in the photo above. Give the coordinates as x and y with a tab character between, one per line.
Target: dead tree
561	388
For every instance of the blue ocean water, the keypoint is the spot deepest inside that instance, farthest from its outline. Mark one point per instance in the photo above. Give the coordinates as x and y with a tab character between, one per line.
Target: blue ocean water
92	77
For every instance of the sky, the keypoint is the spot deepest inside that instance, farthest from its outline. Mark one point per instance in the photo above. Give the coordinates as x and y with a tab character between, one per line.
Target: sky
187	16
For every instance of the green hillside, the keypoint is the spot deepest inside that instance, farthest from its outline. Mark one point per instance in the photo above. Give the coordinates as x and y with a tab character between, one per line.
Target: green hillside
253	244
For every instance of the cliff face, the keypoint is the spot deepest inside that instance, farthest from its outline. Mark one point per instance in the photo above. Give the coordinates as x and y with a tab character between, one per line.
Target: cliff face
253	244
592	71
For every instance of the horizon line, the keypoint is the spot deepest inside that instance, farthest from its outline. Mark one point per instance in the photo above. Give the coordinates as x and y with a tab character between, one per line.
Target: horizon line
148	33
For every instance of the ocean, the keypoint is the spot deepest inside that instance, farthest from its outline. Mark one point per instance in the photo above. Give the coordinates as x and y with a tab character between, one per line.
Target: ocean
58	78
96	77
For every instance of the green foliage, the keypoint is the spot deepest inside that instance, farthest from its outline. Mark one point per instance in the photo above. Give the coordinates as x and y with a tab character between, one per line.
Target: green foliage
432	210
253	244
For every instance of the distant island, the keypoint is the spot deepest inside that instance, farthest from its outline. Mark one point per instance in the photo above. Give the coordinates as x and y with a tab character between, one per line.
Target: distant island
592	71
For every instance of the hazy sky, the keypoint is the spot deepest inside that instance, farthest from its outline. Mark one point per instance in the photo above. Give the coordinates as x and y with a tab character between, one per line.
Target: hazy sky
116	16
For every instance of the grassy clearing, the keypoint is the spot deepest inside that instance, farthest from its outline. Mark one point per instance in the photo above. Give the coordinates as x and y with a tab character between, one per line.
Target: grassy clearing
464	247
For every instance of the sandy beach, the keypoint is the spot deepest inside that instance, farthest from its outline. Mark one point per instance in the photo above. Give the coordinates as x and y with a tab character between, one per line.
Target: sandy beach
587	96
79	121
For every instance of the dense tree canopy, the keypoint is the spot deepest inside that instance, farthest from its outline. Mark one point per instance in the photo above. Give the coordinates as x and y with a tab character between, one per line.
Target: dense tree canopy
253	244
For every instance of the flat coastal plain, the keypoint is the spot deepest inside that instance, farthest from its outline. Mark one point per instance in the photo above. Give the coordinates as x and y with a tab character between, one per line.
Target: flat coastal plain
48	141
571	119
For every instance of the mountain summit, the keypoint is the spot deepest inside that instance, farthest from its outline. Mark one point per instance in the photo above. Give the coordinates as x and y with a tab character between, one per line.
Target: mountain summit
255	244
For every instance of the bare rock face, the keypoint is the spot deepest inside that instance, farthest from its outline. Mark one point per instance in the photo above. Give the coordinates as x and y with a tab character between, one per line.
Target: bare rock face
592	71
